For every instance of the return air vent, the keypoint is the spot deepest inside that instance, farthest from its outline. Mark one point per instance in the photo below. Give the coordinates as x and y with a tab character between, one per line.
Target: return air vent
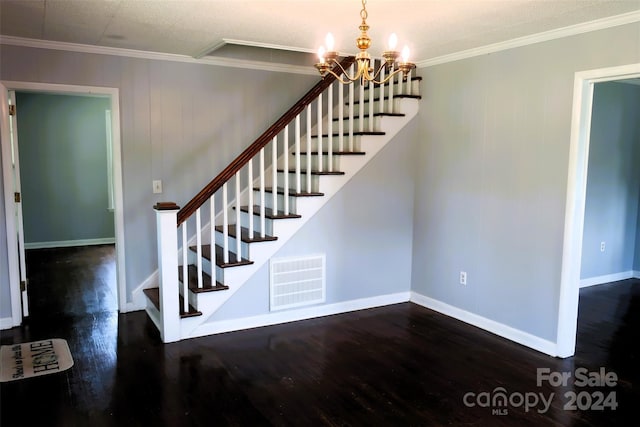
296	282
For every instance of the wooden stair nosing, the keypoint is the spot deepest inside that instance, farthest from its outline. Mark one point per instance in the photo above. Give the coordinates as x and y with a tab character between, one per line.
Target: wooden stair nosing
233	259
292	192
358	133
335	153
374	115
206	281
315	172
268	213
244	234
153	294
395	96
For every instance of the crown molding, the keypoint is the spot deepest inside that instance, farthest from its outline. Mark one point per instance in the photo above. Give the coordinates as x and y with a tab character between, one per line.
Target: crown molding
585	27
157	56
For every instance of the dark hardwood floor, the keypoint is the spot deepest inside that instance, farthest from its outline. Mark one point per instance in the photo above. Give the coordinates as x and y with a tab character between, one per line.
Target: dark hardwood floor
401	365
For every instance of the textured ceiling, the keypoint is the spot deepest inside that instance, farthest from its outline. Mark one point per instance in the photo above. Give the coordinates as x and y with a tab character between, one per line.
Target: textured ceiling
431	28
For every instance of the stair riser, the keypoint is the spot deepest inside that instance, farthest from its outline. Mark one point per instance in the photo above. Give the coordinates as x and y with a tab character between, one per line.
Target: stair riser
325	161
335	141
268	200
303	181
368	124
395	108
244	247
268	224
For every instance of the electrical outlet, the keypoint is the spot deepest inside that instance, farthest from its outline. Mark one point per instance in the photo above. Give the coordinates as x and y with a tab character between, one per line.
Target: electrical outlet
157	187
602	246
463	278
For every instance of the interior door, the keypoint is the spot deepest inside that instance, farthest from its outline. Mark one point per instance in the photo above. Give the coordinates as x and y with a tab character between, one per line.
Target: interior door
15	162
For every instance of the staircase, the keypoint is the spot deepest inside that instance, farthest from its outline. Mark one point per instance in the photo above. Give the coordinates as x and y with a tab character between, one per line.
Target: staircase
267	194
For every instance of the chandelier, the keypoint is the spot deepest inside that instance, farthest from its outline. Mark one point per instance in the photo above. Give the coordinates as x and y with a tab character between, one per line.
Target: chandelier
365	72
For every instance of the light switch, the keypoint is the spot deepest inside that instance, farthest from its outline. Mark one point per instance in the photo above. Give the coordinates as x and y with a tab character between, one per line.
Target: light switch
157	187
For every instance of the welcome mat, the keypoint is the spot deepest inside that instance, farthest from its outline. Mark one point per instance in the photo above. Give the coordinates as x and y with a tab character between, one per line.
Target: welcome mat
31	359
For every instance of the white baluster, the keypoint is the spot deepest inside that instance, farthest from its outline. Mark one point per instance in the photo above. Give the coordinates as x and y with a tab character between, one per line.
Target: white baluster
250	191
225	229
262	198
274	174
341	115
351	110
238	222
330	127
391	84
361	108
297	155
185	269
308	174
198	248
408	86
286	169
381	94
320	132
212	221
372	94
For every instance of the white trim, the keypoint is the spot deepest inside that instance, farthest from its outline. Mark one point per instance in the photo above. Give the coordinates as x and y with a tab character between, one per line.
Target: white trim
6	323
158	56
585	27
497	328
70	243
296	315
9	209
576	194
114	95
138	298
607	278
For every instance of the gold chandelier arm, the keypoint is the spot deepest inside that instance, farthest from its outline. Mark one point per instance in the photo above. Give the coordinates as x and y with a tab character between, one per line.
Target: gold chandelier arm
345	82
387	78
344	72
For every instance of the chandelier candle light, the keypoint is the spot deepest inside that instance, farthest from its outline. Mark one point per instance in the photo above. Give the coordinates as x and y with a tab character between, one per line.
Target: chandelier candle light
365	72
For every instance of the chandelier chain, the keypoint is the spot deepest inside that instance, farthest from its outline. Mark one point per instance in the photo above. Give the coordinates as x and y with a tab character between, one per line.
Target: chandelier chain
363	13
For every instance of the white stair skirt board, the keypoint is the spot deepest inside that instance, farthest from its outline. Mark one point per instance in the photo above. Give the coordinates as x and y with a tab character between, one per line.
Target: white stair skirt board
236	277
279	317
70	243
608	278
497	328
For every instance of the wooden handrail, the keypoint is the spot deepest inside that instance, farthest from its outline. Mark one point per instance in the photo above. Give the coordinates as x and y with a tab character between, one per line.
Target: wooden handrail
251	151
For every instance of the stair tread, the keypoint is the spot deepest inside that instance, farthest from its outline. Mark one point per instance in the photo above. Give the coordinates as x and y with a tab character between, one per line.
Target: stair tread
154	296
387	97
268	213
206	281
292	192
356	117
358	133
233	259
315	172
335	153
244	234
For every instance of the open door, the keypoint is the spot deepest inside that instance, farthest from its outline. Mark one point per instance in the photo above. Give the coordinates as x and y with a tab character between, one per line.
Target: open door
13	207
17	192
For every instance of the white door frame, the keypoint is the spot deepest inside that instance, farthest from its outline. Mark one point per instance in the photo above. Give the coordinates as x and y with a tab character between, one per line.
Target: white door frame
576	194
113	95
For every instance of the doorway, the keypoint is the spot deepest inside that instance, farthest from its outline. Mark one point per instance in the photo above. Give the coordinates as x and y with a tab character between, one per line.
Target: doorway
576	193
112	95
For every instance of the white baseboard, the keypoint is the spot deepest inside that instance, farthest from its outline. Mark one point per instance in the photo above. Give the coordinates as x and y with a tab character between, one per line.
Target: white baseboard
608	278
6	323
489	325
295	315
70	243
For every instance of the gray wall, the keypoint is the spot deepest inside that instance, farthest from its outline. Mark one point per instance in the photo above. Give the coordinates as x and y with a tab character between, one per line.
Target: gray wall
63	167
5	291
613	181
181	123
491	184
365	231
636	258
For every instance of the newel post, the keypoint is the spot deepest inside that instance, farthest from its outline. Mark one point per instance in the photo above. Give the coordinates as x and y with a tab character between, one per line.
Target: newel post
167	220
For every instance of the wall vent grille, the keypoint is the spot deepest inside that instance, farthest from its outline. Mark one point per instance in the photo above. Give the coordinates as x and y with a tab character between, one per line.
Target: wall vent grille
296	282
